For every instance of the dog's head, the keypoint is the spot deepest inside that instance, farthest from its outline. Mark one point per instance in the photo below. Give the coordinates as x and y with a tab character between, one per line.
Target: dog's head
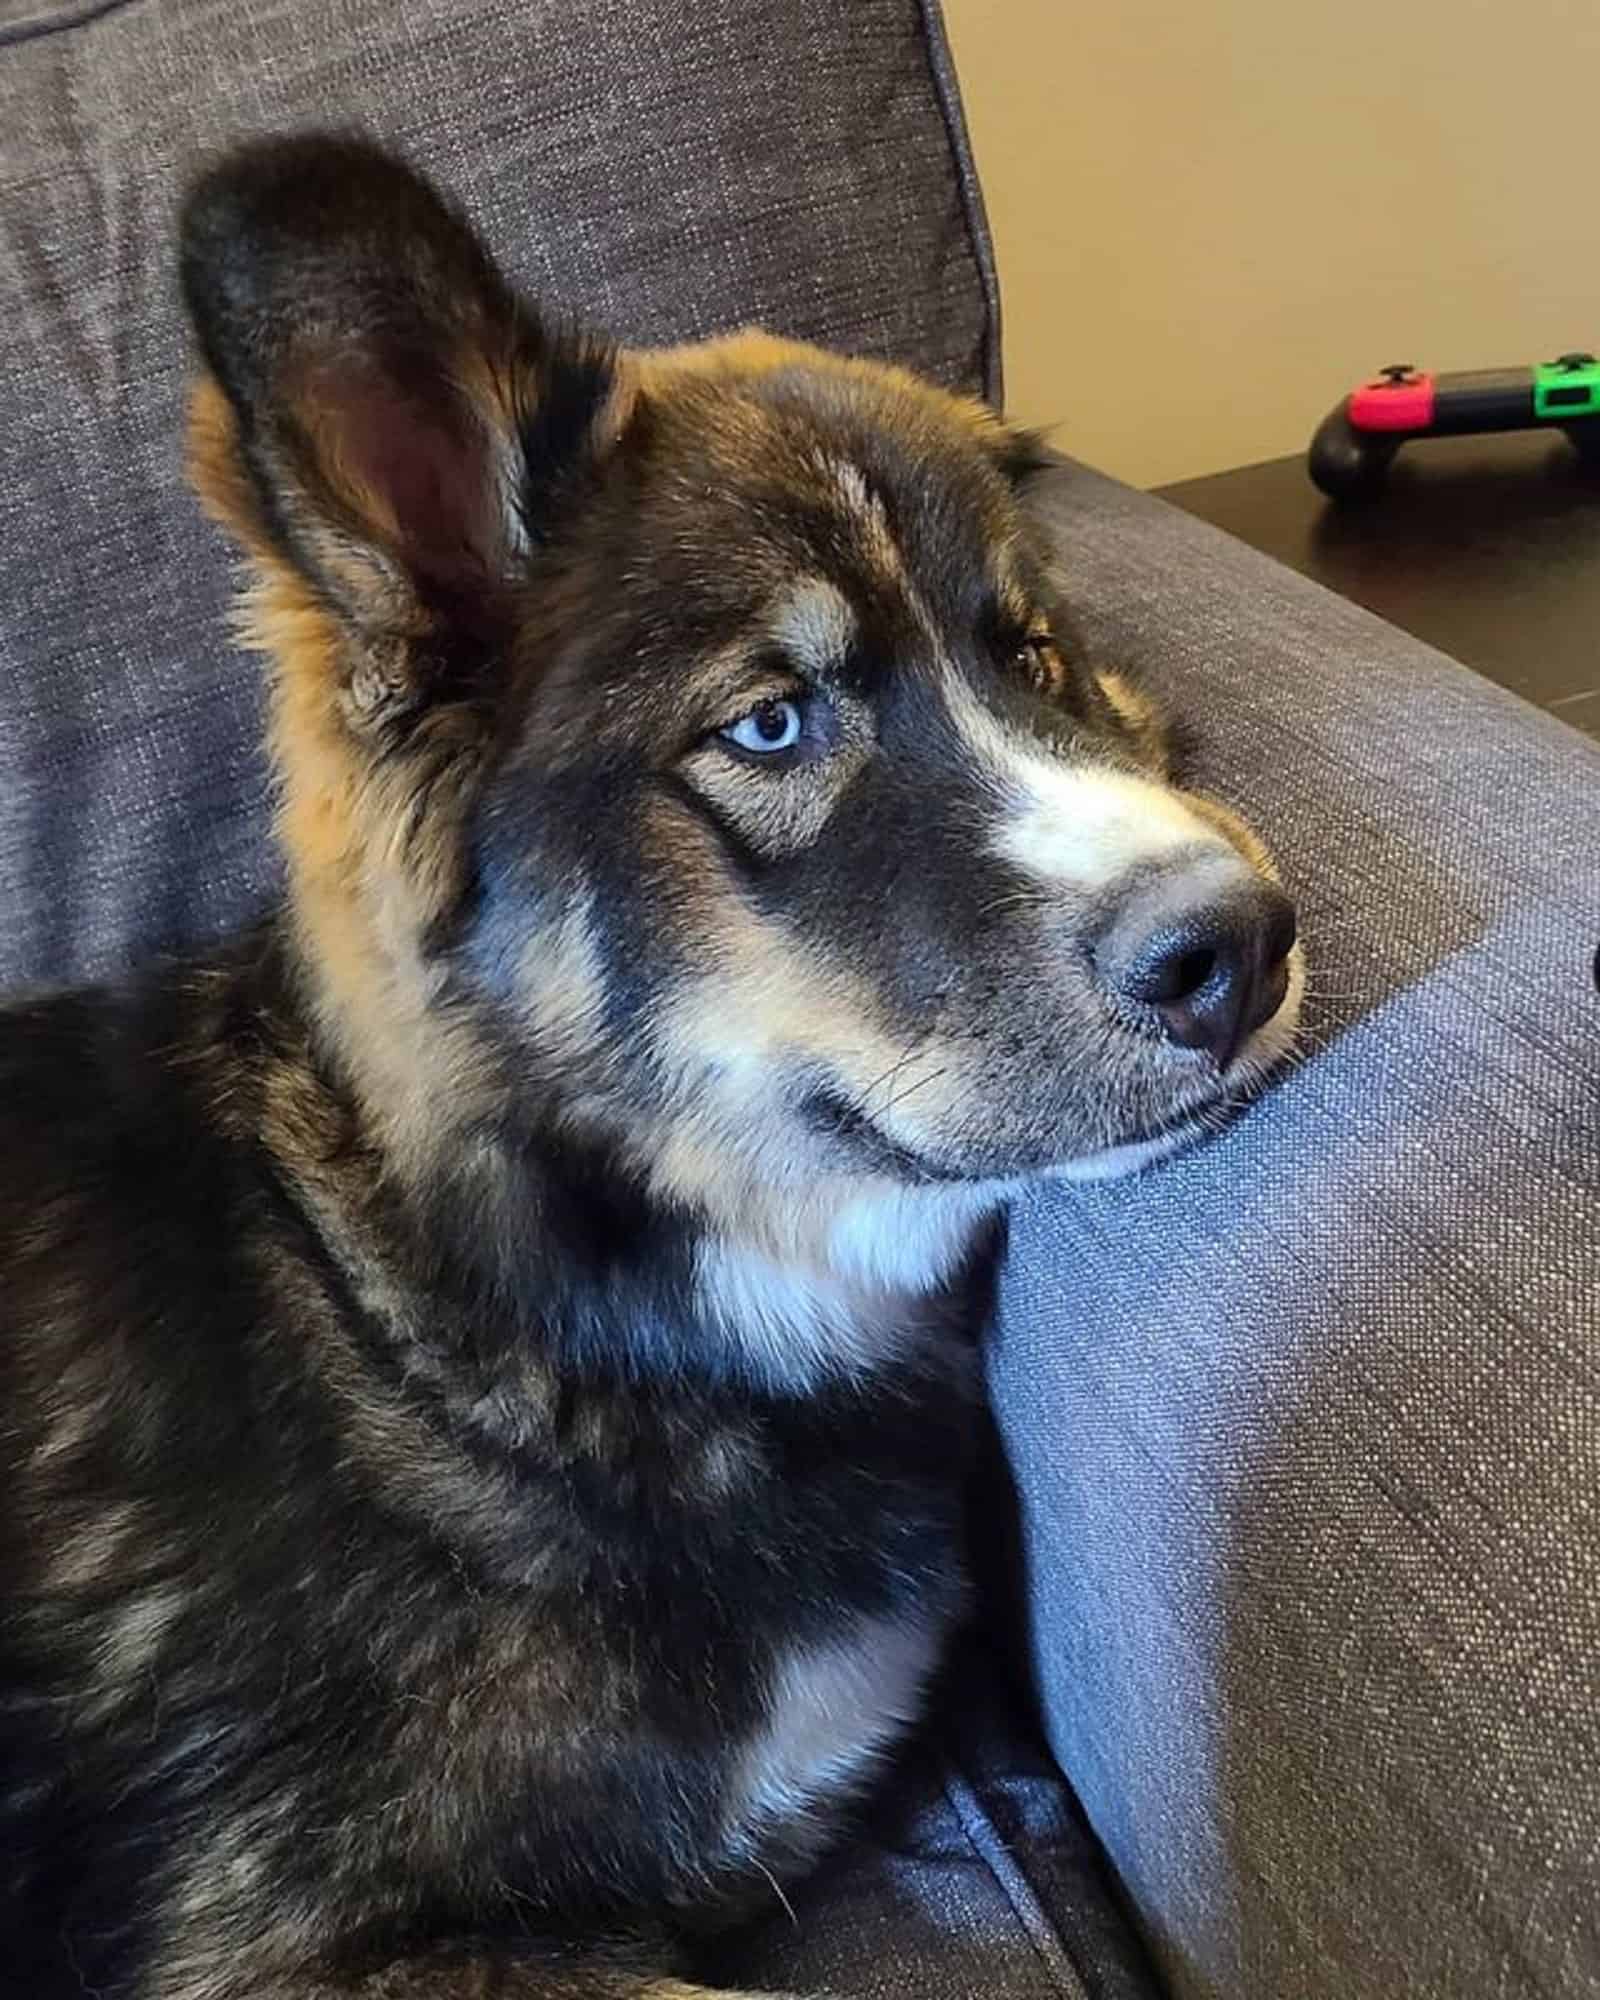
687	746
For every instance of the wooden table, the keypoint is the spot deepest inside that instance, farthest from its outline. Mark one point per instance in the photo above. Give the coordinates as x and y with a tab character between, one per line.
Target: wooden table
1488	548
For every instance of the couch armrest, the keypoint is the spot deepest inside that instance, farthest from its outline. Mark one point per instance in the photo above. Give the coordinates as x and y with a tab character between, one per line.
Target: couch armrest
1306	1425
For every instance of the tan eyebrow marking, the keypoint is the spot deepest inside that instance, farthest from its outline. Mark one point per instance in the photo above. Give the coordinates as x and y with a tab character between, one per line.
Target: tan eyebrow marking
868	515
816	625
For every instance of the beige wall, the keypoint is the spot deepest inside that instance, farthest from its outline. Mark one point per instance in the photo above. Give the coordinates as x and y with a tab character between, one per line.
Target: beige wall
1213	216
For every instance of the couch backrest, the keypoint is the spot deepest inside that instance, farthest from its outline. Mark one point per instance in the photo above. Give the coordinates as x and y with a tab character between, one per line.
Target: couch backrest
664	168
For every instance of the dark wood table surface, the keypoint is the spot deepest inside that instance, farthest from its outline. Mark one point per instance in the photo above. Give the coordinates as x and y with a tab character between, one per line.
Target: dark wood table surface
1488	548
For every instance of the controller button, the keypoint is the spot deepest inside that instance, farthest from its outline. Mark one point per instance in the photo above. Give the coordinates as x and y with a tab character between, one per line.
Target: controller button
1573	362
1398	372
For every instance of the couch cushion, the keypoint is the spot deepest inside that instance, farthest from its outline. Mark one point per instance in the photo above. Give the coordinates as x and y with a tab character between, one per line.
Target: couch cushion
664	171
1306	1425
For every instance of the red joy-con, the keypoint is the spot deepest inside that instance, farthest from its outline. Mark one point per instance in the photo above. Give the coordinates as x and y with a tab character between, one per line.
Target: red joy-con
1387	404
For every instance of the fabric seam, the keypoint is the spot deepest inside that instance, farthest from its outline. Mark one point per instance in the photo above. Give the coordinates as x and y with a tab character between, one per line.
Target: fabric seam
947	91
37	30
1032	1918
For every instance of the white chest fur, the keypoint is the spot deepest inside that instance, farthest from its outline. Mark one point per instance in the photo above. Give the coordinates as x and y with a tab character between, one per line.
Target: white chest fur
833	1709
796	1324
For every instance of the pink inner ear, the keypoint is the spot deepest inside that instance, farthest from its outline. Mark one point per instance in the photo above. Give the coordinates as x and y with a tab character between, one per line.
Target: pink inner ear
431	470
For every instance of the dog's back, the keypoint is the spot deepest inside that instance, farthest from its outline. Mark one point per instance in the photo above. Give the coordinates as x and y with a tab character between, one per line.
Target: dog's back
127	1306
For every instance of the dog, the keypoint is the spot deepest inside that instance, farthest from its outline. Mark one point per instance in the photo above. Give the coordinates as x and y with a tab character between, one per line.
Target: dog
487	1363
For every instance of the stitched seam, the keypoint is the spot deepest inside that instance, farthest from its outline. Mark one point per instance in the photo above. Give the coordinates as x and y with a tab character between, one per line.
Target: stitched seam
985	1841
947	93
58	24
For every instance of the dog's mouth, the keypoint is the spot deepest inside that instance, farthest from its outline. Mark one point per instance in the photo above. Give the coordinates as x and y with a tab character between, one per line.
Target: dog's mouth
828	1111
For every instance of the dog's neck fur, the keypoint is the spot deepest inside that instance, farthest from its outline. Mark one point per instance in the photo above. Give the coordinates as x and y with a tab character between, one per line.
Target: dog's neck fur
544	1244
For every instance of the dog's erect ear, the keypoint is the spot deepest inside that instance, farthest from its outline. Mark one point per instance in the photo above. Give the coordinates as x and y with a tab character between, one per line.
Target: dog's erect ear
386	427
1022	455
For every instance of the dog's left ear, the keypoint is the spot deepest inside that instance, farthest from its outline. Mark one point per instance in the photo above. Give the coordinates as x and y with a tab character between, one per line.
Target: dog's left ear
386	427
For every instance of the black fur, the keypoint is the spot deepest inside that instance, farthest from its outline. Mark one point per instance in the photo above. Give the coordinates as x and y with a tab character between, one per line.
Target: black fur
329	1610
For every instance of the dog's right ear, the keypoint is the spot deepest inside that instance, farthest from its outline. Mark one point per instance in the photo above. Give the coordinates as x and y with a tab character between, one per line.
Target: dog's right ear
385	427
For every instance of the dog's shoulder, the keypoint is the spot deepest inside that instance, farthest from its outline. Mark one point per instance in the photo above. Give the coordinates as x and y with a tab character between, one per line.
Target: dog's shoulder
139	1211
116	1103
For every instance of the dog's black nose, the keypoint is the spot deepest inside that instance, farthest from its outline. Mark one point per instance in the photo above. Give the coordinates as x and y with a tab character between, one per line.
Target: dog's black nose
1206	949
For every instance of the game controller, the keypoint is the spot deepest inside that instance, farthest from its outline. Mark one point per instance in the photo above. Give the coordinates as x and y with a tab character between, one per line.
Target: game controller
1351	451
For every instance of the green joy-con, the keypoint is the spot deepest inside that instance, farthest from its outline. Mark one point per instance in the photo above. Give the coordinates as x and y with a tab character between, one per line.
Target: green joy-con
1569	387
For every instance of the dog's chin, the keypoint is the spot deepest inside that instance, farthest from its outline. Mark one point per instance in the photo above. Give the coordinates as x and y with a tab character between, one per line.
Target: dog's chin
1115	1163
1002	1175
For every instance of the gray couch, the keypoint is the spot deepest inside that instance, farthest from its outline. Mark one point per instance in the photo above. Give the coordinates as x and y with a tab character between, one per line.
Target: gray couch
1304	1429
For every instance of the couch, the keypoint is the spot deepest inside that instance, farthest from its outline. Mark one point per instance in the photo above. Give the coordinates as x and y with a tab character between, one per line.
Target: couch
1287	1685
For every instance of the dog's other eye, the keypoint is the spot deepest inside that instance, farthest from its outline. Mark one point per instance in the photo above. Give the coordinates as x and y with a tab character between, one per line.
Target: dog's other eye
770	726
1036	657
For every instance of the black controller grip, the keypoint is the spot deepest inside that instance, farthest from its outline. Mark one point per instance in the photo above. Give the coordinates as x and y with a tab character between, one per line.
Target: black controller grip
1346	463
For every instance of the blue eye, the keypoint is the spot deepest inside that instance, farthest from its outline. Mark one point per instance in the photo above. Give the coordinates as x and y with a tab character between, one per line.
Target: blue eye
770	726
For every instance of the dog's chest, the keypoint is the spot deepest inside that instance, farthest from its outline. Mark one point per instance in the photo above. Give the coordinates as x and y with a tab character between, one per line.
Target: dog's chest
832	1708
